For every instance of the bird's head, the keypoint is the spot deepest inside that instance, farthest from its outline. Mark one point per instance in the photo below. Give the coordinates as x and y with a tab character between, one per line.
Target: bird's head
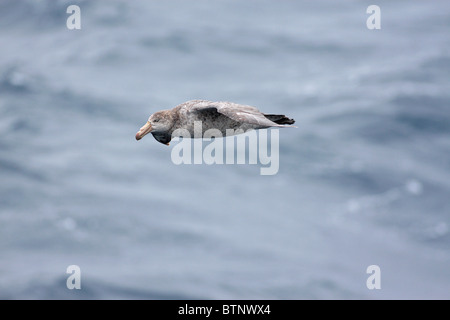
158	123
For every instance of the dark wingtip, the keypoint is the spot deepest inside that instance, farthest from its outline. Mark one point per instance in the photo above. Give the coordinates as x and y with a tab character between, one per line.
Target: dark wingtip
288	121
279	118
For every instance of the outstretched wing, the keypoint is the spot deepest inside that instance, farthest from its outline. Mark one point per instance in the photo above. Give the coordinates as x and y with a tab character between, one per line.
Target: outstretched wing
237	112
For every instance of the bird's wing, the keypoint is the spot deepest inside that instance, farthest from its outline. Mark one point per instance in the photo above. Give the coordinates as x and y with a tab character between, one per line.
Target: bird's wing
237	112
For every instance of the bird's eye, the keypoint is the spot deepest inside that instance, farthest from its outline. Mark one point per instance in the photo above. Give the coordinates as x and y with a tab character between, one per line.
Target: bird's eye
156	120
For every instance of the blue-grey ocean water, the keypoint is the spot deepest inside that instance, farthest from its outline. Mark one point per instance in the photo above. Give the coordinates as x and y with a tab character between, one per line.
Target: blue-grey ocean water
364	179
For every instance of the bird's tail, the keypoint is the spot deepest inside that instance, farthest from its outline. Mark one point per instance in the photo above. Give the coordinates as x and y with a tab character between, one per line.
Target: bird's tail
279	119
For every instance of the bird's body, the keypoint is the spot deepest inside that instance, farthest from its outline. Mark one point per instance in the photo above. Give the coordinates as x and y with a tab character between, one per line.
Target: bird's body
227	117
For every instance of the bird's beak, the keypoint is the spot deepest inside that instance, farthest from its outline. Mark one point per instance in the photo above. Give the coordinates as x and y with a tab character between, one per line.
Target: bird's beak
143	131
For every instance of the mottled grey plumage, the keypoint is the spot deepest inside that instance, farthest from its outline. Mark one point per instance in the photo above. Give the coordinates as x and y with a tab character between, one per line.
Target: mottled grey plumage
213	115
